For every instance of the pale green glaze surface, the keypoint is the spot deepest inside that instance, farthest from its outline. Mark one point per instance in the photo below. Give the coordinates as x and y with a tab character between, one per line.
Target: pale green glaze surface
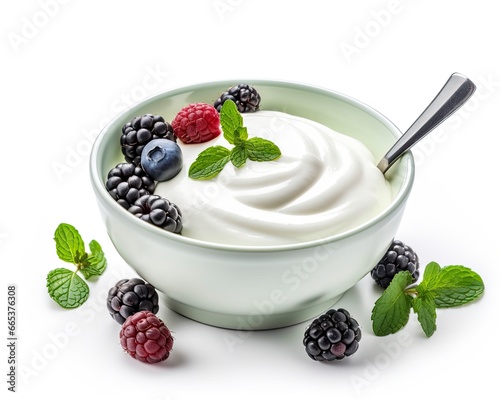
253	287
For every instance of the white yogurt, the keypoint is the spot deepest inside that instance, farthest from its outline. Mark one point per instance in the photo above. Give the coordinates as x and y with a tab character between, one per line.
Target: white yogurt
324	183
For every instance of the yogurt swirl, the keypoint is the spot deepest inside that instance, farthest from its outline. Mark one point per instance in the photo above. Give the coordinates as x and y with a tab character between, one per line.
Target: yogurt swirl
324	183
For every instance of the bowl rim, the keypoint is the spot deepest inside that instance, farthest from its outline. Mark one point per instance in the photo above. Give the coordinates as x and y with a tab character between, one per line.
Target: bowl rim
399	199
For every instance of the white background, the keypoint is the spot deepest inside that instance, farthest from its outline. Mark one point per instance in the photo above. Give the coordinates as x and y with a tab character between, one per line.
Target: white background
69	66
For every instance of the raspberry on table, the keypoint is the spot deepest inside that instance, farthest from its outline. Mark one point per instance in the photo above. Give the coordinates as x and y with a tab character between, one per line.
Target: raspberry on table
127	182
197	123
332	336
246	98
146	338
140	131
399	257
129	296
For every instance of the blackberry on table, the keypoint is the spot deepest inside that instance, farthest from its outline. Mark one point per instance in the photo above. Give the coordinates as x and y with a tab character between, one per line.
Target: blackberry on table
129	296
127	182
140	131
158	211
246	98
332	336
399	257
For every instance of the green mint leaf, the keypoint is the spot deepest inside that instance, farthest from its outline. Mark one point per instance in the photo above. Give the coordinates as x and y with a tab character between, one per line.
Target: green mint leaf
209	162
431	274
392	310
240	135
425	308
239	155
95	264
451	286
69	243
262	150
67	288
230	120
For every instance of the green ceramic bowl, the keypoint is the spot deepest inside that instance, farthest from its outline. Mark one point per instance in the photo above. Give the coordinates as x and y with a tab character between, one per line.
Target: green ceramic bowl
252	287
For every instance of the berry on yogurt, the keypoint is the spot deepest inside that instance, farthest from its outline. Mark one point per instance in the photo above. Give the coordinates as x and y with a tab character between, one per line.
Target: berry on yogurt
140	131
127	182
161	159
197	123
246	98
159	212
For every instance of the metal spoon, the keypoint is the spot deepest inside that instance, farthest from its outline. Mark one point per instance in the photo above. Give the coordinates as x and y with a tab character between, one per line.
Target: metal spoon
452	96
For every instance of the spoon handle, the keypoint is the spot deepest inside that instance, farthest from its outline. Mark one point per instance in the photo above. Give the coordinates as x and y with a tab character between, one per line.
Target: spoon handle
452	96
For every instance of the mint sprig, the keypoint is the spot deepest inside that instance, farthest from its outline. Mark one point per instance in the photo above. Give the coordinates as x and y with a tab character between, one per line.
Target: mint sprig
66	287
211	161
441	287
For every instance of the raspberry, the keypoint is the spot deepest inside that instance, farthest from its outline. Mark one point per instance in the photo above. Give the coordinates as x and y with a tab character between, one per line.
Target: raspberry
399	257
332	336
127	182
158	211
129	296
146	338
140	131
197	123
246	98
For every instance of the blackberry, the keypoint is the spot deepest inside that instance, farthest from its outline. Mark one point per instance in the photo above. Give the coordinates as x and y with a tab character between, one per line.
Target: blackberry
146	338
247	99
140	131
399	257
127	182
158	211
129	296
332	336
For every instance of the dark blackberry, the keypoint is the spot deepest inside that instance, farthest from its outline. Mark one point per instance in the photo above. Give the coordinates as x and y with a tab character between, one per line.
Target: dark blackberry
129	296
399	257
247	99
140	131
158	211
332	336
127	182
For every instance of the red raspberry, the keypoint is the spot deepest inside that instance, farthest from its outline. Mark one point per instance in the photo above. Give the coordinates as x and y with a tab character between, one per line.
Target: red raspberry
197	123
146	338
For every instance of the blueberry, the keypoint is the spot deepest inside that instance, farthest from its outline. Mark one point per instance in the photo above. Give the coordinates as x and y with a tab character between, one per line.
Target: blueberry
161	159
